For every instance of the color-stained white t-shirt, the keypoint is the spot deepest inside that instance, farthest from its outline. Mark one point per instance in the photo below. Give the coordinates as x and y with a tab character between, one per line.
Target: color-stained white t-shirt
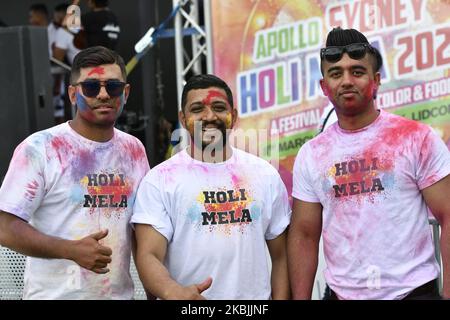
70	187
377	241
216	219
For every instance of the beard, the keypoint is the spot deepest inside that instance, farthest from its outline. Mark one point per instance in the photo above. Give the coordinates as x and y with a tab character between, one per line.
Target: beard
210	137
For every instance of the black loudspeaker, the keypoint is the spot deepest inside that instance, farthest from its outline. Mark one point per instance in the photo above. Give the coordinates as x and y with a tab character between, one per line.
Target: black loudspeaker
25	87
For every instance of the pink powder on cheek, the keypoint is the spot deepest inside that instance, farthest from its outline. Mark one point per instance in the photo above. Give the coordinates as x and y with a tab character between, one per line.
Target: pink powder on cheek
97	70
89	115
213	94
84	107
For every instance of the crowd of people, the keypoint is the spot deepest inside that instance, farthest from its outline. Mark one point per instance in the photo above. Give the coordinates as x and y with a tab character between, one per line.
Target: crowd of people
98	26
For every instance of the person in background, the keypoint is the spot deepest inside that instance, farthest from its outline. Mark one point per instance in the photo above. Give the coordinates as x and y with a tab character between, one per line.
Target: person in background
64	50
99	26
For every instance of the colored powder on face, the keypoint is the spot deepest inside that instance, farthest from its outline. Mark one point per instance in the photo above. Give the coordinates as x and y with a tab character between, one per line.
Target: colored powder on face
81	102
97	70
84	107
228	121
120	104
213	94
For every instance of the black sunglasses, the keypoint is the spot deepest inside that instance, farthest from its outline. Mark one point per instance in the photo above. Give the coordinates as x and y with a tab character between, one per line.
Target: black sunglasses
91	88
355	51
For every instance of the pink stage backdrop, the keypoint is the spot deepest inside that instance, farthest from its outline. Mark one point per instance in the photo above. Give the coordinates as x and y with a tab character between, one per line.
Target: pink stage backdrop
268	52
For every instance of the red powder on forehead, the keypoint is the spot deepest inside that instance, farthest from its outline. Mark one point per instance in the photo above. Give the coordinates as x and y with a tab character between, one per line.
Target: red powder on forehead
213	94
97	70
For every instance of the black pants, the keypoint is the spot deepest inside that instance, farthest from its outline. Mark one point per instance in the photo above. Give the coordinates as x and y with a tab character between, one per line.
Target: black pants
427	291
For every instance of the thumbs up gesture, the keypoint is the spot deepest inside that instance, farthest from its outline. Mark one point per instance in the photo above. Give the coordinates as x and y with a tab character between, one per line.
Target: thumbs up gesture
90	254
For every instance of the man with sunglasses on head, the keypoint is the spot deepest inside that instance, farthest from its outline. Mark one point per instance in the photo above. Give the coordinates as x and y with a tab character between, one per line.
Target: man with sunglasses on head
365	184
67	197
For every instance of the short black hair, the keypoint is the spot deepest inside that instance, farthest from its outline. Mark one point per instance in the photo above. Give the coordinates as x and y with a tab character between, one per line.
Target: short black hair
95	56
343	37
40	8
204	81
61	7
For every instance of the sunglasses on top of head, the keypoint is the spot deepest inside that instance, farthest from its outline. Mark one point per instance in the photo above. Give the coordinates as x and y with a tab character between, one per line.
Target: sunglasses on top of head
355	51
91	88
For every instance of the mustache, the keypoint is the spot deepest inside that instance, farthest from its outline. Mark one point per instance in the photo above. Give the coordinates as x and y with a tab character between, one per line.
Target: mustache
203	124
347	91
218	124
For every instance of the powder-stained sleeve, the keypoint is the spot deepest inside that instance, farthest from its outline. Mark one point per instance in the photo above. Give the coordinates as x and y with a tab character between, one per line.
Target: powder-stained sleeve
434	161
23	188
302	184
281	210
149	207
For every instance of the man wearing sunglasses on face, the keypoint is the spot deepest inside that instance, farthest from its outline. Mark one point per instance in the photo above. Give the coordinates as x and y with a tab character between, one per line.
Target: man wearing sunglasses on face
67	197
365	184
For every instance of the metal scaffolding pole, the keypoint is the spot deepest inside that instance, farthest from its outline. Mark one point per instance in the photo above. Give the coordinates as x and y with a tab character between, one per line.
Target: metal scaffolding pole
186	23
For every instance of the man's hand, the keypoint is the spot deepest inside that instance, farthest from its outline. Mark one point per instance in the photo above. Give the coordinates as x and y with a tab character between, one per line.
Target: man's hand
90	254
192	292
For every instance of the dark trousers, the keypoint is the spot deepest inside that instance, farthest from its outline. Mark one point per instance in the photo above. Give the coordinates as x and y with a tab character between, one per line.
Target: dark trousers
427	291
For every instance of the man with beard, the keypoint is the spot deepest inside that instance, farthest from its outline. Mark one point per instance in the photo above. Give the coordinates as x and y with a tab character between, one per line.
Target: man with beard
203	217
67	197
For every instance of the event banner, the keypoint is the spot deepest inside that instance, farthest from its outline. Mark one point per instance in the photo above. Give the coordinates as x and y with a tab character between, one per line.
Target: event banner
268	52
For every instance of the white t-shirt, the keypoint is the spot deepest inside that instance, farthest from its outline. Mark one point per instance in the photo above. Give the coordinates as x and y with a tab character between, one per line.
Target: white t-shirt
69	187
377	241
51	33
216	218
63	39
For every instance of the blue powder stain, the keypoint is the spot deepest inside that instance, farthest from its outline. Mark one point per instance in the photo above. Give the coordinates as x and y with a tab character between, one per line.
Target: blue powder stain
81	102
326	185
83	105
255	212
122	104
194	214
77	194
131	198
388	180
